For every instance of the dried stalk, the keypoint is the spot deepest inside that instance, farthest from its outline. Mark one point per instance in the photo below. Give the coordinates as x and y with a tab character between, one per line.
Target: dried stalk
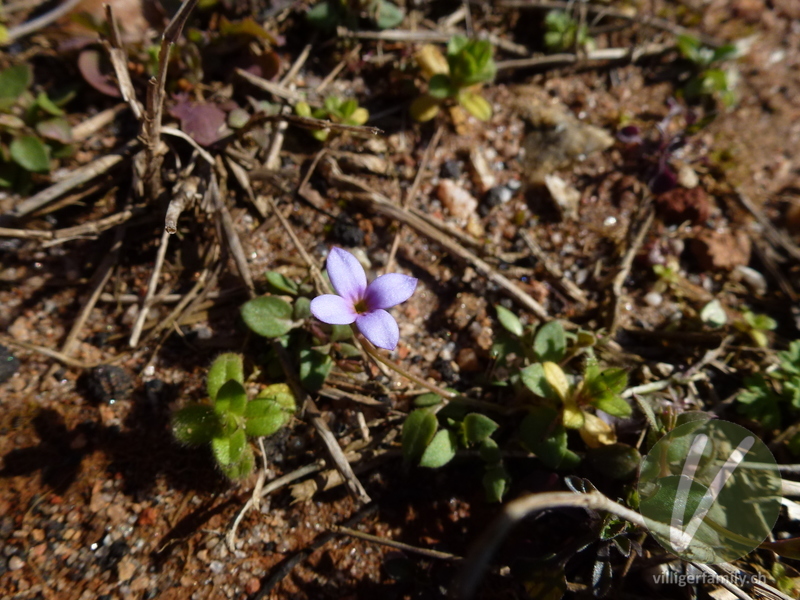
78	177
632	55
119	60
151	126
232	237
151	291
39	23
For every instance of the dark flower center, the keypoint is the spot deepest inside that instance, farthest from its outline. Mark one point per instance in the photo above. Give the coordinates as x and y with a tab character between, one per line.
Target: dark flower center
360	306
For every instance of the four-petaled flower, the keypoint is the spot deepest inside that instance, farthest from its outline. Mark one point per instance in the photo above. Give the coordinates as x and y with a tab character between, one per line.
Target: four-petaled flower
362	304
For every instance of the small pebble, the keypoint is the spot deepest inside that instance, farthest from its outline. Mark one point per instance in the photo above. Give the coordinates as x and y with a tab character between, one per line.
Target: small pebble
252	586
451	169
15	563
753	279
653	299
498	195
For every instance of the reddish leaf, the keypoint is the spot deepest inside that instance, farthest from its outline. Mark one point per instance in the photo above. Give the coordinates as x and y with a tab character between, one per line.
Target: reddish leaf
205	123
92	67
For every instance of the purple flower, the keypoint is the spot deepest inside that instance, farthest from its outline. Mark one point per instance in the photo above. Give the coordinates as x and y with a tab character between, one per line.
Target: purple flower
362	304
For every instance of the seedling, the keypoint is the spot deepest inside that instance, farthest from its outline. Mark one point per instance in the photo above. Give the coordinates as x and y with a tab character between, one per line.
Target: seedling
330	14
468	66
338	110
565	34
33	129
706	79
770	394
756	327
230	419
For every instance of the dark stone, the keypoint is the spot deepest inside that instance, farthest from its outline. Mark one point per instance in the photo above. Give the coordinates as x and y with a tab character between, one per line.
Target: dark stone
446	370
8	364
154	390
451	169
346	232
109	383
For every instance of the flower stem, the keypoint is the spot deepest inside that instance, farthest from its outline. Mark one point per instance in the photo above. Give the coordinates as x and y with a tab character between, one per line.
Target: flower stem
446	395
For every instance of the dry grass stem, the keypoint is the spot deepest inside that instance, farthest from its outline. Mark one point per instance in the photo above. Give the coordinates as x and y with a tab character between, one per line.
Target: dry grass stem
119	60
78	177
632	55
151	291
396	545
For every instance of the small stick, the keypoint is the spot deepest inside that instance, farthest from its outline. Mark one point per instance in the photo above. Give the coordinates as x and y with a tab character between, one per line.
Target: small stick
291	563
272	486
551	267
60	357
775	237
78	177
304	122
338	69
632	55
38	23
151	125
151	290
627	262
276	89
93	124
232	237
119	60
393	544
412	192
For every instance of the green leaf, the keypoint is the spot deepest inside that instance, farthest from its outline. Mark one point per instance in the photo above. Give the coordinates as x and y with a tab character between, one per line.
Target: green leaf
418	431
456	44
228	449
759	402
280	393
688	47
542	434
440	451
613	405
268	316
196	424
324	15
314	369
439	87
281	284
231	398
490	451
619	462
302	309
341	332
496	482
533	378
550	343
478	427
47	105
726	52
388	15
424	108
509	320
264	417
301	109
14	81
31	154
429	399
241	469
226	367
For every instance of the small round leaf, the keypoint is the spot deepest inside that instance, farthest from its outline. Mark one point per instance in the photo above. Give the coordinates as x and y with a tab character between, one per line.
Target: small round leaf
31	154
440	451
418	431
226	367
195	424
479	427
268	316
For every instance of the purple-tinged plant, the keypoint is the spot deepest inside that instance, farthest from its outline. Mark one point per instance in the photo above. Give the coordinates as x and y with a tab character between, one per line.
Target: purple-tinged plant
362	304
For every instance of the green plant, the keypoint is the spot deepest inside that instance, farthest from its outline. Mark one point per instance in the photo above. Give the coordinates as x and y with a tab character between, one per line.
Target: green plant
756	326
433	433
563	402
469	64
33	129
768	395
329	14
563	33
707	80
230	418
338	110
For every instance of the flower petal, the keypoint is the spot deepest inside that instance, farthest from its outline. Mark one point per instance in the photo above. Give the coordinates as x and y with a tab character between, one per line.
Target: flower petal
389	290
333	309
347	275
380	328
